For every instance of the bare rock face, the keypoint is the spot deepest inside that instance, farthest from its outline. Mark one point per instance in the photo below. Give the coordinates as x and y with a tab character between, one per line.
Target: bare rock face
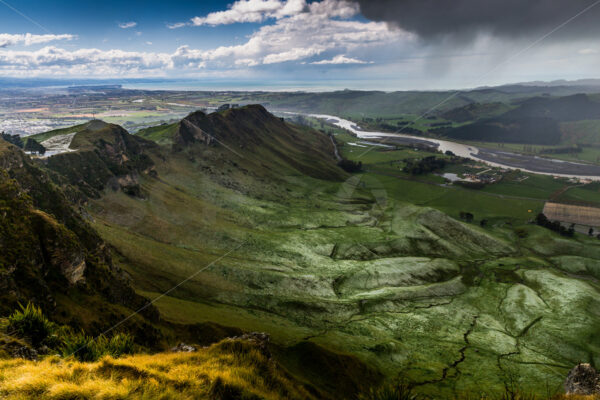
183	348
26	353
583	380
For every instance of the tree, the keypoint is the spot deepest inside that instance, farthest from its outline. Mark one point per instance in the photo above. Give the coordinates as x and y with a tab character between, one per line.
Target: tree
13	139
467	216
33	146
483	223
350	166
541	220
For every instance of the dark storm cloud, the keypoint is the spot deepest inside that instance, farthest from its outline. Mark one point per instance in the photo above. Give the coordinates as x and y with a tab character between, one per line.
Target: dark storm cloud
462	19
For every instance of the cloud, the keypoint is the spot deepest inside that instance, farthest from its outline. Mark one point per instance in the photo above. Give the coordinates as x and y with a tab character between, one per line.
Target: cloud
464	19
28	39
588	51
255	11
56	61
299	32
127	25
341	59
242	11
331	9
176	25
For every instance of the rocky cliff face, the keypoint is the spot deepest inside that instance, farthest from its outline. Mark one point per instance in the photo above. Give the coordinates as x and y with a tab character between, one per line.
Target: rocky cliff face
259	142
51	256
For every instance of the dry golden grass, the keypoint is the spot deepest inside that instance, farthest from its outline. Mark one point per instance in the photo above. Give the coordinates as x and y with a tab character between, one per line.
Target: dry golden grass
227	370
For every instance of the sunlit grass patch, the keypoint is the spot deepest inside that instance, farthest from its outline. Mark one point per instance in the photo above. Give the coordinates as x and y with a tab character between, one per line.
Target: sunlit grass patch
230	368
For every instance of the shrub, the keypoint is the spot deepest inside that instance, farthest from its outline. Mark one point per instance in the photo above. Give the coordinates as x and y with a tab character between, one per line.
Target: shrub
118	345
350	166
31	324
86	348
424	166
80	346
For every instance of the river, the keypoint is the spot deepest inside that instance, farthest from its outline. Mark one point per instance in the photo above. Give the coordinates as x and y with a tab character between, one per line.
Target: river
495	158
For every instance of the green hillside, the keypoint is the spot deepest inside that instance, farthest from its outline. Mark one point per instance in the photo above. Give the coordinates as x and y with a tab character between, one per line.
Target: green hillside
352	265
40	137
246	221
161	134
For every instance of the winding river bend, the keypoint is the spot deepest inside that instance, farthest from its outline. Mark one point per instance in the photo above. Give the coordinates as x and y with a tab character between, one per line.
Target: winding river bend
495	158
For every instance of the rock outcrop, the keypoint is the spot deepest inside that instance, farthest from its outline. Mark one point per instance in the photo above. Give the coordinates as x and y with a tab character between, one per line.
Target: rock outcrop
183	348
583	380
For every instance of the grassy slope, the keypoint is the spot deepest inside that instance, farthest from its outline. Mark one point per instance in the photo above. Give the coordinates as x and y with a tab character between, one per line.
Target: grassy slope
409	330
230	369
306	241
40	137
161	134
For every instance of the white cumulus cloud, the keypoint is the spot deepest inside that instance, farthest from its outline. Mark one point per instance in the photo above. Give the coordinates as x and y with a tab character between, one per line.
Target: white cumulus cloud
306	31
244	11
300	31
340	59
28	39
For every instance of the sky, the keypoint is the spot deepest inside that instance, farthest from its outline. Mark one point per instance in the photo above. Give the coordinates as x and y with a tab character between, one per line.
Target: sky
303	44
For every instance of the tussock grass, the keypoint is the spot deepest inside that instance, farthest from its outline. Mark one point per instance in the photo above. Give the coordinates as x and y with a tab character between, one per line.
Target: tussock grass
30	322
85	348
226	370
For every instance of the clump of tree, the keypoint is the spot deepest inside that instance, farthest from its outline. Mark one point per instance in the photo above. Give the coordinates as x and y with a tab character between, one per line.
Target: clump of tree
13	139
467	216
470	184
563	150
350	166
424	165
34	147
555	226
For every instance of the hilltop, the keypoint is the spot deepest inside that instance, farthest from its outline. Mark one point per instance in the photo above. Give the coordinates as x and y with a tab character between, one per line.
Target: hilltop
255	135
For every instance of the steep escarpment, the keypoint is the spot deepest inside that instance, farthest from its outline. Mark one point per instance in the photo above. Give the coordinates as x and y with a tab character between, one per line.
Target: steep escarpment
254	138
52	257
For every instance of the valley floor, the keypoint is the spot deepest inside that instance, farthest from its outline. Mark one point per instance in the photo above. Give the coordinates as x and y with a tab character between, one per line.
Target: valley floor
353	267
